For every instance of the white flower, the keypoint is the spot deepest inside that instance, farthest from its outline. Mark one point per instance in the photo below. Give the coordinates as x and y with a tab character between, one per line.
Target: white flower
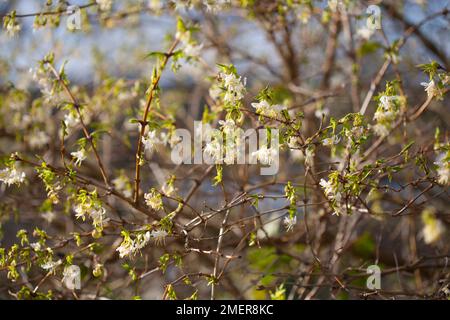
79	156
168	189
193	50
289	223
104	5
151	140
385	115
159	236
125	249
97	215
38	139
433	231
365	33
228	126
214	6
433	228
331	141
297	155
11	176
231	153
130	247
154	200
443	169
327	187
431	88
214	150
381	130
309	157
36	246
94	210
319	113
122	184
71	275
266	156
155	5
13	29
48	216
51	265
141	241
264	108
71	120
234	86
215	91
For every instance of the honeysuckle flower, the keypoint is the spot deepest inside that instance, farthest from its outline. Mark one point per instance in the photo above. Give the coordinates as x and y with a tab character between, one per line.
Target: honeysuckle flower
155	5
214	150
79	156
130	247
365	32
228	126
71	120
125	249
89	205
266	156
309	156
71	274
104	5
443	168
431	88
320	113
335	5
235	88
168	189
122	184
433	228
11	176
381	130
141	240
159	236
48	216
264	108
38	139
214	6
51	265
385	115
331	141
150	140
289	222
297	155
153	199
215	91
97	215
193	50
36	246
327	187
13	29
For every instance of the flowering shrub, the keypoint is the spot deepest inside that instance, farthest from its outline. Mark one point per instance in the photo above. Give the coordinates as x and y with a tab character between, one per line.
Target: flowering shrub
136	165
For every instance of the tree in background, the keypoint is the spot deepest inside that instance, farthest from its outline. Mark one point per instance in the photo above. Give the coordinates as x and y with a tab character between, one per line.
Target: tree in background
134	136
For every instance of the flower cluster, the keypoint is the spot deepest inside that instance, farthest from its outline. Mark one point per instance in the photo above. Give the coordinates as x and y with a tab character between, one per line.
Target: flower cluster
11	175
265	109
154	199
433	228
104	5
88	204
234	87
443	167
385	115
131	246
189	46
